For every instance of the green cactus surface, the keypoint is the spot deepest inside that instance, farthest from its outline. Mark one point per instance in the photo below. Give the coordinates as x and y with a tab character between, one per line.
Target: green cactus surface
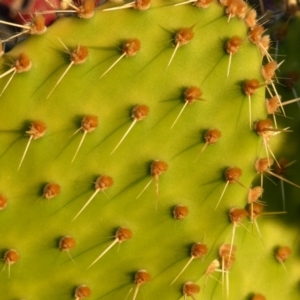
108	129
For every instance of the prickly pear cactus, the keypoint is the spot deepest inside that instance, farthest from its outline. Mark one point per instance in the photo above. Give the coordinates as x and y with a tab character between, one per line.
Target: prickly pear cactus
130	139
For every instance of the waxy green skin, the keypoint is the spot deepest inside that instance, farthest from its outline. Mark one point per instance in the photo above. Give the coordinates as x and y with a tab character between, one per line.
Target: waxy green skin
159	244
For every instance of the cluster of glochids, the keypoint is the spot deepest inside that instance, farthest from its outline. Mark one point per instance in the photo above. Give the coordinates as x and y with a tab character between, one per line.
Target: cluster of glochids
198	251
67	243
264	128
89	123
183	36
233	8
254	210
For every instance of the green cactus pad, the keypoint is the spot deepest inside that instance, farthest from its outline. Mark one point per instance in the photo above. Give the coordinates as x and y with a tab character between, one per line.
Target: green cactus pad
159	152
